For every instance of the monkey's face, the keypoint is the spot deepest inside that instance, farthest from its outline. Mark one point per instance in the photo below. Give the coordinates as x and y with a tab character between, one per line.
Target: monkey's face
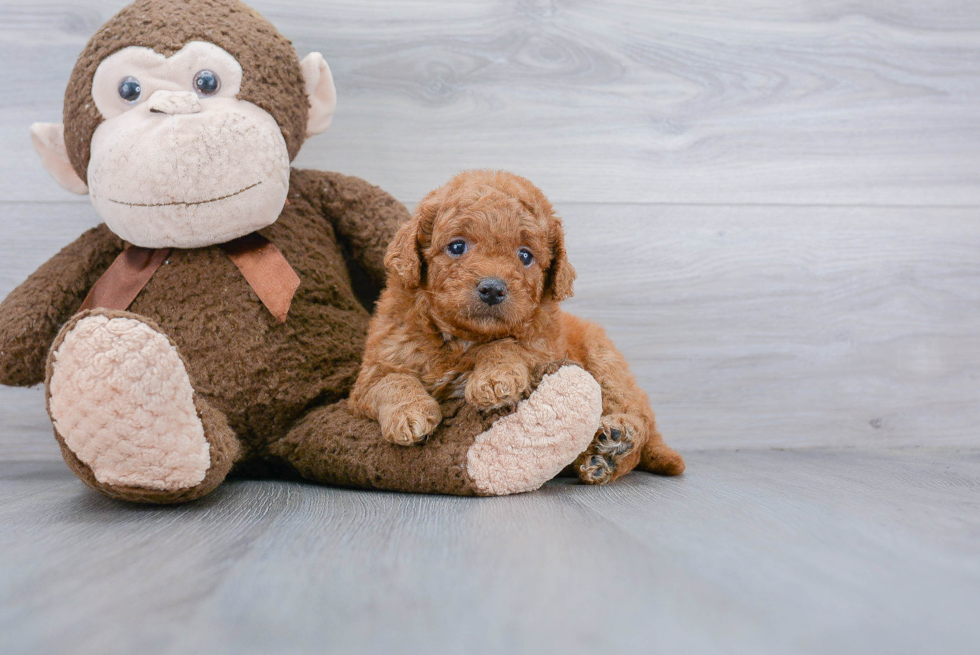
179	160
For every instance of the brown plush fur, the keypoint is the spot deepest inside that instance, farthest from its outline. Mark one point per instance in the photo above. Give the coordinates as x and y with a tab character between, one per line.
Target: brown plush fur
336	446
262	374
254	378
434	339
272	78
270	395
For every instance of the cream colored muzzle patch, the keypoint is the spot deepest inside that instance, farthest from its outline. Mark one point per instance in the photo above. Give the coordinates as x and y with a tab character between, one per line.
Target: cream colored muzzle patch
123	403
523	450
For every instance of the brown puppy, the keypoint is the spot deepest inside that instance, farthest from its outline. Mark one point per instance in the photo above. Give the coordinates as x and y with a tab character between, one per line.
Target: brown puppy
471	307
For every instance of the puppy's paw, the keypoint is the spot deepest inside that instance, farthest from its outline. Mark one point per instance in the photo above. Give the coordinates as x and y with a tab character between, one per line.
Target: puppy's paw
410	422
492	388
616	439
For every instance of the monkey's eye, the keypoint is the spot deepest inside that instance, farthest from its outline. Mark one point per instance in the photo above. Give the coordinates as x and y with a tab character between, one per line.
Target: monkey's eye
206	83
130	89
456	248
526	257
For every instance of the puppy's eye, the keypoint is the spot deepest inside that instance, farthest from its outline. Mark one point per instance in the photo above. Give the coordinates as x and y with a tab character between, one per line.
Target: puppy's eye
456	248
130	89
206	83
525	256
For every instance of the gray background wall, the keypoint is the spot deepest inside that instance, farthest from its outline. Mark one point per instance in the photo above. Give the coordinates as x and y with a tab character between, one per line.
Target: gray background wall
772	206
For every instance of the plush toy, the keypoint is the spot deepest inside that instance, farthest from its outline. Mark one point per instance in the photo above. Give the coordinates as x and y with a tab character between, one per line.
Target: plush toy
211	323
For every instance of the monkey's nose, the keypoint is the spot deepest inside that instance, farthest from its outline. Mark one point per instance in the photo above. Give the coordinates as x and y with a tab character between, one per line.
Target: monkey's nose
492	290
174	102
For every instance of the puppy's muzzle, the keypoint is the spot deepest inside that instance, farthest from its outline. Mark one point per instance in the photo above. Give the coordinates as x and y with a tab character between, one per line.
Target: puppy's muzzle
492	290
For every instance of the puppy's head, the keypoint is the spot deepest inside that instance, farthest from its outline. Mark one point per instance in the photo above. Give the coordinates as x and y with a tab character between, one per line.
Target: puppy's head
486	250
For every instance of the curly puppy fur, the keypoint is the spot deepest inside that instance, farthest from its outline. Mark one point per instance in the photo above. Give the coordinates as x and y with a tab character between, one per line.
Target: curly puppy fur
474	282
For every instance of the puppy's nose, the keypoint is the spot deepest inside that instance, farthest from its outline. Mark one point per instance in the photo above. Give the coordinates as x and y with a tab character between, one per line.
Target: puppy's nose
492	290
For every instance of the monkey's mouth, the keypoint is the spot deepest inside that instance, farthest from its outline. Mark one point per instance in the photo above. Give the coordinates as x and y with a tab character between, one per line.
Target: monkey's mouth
185	203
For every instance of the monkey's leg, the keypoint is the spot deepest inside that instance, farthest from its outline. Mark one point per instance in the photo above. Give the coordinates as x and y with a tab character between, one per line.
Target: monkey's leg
126	416
470	453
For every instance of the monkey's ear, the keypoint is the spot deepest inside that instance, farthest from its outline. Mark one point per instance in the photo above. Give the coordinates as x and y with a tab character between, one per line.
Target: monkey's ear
49	141
561	275
321	92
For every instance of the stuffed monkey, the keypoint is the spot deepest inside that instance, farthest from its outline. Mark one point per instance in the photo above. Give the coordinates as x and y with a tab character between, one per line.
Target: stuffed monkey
211	323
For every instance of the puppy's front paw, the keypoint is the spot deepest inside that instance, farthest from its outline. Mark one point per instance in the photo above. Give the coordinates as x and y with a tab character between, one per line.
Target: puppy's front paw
497	387
410	422
617	437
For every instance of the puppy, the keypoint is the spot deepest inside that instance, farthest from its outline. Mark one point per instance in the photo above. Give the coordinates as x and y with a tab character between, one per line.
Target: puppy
471	308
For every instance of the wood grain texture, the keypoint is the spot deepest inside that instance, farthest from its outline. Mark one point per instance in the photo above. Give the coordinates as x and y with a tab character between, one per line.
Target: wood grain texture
785	326
775	210
778	552
800	102
748	326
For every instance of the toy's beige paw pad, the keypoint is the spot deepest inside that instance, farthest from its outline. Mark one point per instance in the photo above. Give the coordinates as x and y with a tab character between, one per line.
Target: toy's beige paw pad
548	430
121	399
615	439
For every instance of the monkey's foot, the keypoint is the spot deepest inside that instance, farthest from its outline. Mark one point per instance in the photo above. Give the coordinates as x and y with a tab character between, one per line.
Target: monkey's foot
522	451
126	414
613	452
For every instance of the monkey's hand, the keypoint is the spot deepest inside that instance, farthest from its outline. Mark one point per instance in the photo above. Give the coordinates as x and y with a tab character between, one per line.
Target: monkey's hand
32	314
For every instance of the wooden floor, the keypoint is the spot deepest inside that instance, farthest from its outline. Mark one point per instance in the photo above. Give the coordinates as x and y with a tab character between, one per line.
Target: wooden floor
774	207
810	551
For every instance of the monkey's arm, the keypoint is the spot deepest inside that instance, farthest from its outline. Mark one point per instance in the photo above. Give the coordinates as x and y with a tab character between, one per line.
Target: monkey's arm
364	216
32	314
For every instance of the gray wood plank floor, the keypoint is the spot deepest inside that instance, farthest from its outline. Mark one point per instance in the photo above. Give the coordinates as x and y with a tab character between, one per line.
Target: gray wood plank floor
751	552
774	207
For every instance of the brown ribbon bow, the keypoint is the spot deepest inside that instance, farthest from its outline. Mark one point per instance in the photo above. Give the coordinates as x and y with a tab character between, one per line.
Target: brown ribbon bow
262	265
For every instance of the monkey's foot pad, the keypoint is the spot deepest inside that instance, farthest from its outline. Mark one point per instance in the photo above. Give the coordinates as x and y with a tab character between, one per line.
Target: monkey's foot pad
547	431
121	399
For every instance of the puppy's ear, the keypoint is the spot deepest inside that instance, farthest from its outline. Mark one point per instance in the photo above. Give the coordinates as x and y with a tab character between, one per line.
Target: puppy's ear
561	275
404	257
